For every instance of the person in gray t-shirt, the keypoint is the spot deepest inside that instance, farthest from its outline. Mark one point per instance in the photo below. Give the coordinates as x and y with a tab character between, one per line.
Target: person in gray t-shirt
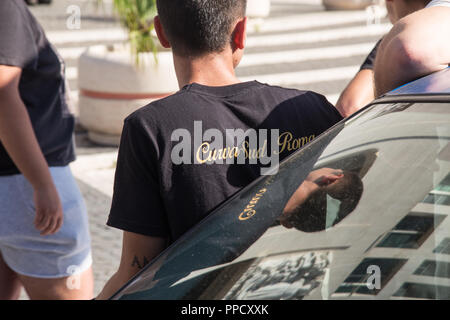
44	236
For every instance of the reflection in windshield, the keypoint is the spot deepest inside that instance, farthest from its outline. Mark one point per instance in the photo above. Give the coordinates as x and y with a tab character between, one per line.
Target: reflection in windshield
283	277
325	198
381	202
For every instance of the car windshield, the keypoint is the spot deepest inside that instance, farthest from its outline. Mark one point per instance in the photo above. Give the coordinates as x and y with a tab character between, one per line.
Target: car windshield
361	212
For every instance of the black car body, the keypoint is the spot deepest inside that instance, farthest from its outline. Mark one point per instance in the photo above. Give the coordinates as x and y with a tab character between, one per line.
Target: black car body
394	243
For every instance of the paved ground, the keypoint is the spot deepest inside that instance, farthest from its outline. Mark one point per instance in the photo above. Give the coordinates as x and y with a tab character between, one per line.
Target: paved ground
300	45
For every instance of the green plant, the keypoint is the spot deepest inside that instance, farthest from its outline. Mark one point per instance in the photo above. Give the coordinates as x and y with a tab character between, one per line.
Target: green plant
138	16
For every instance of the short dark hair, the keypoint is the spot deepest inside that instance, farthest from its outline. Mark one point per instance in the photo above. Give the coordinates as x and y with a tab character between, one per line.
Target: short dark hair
198	27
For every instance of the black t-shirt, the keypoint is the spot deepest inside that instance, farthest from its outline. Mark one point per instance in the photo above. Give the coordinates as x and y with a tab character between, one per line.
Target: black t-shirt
42	86
370	60
156	196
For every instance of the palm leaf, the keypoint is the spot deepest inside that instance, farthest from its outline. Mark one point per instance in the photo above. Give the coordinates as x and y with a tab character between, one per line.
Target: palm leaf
137	16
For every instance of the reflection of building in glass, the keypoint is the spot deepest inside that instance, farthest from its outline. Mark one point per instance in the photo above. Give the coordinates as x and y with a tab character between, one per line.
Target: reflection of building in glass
357	281
443	247
399	225
441	194
411	231
433	269
398	229
427	275
423	291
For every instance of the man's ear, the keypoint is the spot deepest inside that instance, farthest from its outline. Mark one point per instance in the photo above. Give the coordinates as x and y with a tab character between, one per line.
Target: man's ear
239	34
160	33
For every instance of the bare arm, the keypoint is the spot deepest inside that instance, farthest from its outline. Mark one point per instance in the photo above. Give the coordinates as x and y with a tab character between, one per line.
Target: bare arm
19	140
137	251
416	46
358	93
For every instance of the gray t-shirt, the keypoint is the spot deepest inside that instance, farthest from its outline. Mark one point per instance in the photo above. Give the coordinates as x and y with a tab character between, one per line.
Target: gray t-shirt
42	86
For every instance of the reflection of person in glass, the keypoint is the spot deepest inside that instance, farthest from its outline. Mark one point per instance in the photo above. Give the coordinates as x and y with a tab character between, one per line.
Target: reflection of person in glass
310	208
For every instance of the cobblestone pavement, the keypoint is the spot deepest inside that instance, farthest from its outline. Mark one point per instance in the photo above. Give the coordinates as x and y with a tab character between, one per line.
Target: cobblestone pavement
300	45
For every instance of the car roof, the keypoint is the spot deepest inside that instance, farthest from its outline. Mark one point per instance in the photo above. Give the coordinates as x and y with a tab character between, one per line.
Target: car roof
435	83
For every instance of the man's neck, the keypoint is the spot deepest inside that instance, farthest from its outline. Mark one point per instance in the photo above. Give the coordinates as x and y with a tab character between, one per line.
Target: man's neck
213	70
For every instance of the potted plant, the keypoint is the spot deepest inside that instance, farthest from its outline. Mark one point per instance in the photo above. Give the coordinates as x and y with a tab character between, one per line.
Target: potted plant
114	81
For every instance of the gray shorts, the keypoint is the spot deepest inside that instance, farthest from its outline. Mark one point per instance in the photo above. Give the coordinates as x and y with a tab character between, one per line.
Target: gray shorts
28	253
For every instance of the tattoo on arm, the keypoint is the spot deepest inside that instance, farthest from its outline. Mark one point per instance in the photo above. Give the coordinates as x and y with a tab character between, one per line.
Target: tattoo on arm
139	263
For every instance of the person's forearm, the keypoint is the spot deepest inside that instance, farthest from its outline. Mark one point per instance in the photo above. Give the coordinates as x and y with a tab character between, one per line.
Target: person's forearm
111	287
19	140
359	92
117	281
307	188
137	251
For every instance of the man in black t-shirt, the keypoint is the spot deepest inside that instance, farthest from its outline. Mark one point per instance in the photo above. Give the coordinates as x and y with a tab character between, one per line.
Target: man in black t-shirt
182	156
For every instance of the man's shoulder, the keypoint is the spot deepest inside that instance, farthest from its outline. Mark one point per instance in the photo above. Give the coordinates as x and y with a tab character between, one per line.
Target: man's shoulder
158	110
299	98
160	104
283	90
293	93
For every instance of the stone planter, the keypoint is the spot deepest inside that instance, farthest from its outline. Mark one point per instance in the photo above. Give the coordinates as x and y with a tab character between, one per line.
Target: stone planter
258	8
111	87
346	4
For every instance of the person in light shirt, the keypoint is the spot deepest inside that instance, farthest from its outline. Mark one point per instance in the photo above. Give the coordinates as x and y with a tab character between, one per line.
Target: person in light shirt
416	46
361	89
